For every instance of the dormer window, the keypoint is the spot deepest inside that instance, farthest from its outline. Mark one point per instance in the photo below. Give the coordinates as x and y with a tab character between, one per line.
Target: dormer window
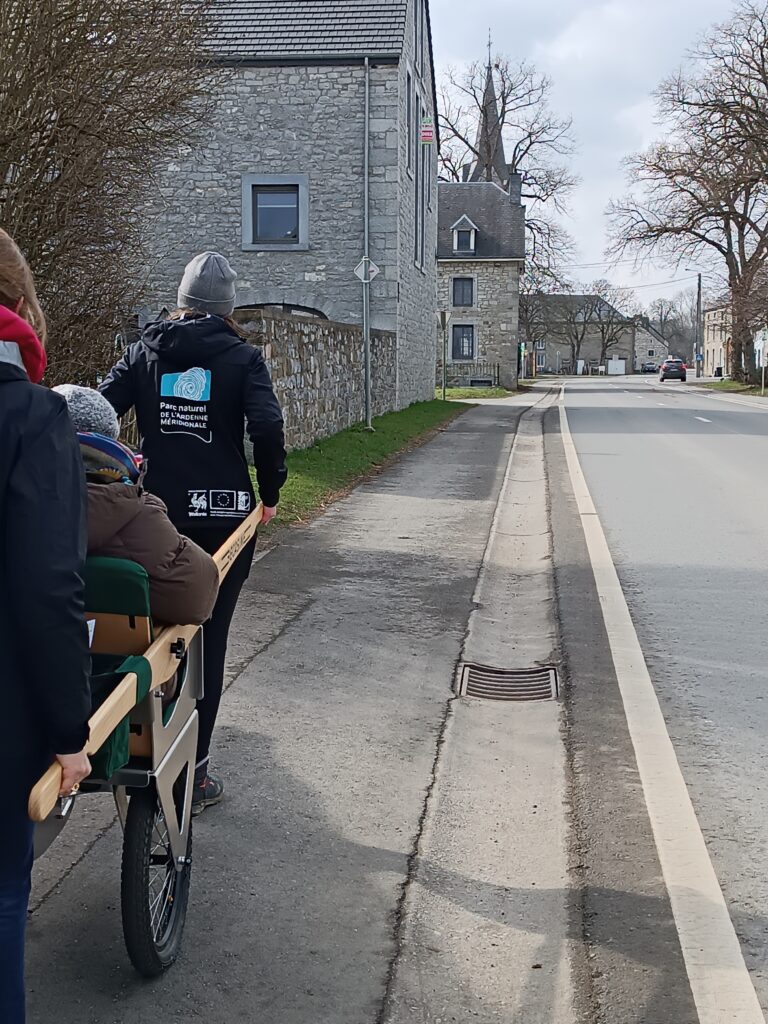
465	241
464	236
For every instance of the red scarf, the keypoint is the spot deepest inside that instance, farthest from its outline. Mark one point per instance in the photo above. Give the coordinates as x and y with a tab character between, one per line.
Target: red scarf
14	329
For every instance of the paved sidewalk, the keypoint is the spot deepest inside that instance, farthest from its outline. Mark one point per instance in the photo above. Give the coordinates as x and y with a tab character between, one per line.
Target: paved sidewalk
346	644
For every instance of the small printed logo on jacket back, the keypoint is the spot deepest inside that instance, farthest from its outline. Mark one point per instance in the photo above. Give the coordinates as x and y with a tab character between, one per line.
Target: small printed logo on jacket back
184	399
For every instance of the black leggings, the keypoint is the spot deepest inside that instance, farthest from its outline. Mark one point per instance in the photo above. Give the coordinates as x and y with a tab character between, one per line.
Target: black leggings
216	633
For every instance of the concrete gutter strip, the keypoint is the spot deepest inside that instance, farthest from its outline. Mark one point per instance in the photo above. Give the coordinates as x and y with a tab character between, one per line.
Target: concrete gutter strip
485	933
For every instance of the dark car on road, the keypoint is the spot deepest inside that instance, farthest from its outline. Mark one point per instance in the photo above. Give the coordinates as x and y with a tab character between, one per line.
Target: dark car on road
672	369
649	368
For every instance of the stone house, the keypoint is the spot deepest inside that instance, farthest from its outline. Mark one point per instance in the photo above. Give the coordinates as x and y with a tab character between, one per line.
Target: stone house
717	340
650	345
589	325
278	182
480	257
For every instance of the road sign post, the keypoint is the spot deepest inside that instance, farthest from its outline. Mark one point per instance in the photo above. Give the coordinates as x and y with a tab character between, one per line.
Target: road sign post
443	318
366	270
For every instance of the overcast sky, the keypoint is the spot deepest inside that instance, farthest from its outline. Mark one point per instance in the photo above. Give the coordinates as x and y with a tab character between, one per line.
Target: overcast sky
605	59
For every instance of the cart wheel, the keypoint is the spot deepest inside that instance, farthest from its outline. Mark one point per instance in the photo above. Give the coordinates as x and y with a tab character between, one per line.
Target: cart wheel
154	895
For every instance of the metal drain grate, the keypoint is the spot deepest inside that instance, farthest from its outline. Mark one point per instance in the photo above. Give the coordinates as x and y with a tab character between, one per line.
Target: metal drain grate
489	683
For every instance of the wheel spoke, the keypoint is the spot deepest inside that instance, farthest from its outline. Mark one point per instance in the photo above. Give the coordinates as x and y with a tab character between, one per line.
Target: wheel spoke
160	900
161	904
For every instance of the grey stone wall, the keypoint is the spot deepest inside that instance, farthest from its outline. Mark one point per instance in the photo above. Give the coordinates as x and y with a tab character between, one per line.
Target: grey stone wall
317	368
418	286
646	342
308	120
289	120
495	314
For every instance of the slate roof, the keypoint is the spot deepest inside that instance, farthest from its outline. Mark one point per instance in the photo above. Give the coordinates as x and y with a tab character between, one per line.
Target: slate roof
558	305
281	30
500	221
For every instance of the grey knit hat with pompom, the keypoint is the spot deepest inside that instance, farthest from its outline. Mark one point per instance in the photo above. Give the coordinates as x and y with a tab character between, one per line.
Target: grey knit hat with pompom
89	410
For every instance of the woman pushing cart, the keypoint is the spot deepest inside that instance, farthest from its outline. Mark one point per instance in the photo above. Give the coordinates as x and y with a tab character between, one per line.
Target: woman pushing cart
194	382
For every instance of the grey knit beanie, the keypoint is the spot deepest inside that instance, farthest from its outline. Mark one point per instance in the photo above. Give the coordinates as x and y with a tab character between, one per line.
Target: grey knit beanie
89	410
208	284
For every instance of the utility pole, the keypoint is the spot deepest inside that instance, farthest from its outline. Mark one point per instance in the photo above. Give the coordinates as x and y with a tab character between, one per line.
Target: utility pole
699	329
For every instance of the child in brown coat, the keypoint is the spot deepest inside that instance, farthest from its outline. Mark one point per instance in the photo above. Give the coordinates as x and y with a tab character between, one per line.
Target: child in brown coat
124	521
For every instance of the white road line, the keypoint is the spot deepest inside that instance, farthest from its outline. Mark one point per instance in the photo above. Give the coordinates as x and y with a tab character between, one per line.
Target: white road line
703	420
661	404
720	982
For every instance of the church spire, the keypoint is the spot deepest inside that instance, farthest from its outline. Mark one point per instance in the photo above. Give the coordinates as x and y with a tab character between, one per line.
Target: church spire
491	164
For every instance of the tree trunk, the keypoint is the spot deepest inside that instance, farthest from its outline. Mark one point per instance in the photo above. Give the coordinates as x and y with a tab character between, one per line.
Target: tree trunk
742	351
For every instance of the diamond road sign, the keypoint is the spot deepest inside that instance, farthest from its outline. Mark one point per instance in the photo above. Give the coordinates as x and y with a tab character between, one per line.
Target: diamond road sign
373	270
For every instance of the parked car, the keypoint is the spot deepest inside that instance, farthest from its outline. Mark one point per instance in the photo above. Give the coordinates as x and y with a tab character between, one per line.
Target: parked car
649	368
673	369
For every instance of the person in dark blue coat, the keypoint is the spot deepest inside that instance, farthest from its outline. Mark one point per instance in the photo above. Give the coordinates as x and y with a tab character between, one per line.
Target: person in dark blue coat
196	386
44	691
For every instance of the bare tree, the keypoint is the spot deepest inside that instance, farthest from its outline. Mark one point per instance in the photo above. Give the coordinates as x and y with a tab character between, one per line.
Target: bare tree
569	319
675	321
91	95
534	286
702	193
613	314
663	314
521	134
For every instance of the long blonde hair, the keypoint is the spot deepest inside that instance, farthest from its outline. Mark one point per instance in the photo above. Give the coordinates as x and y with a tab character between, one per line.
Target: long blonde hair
17	286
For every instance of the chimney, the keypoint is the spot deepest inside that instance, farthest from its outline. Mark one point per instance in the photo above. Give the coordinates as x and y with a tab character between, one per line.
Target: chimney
516	188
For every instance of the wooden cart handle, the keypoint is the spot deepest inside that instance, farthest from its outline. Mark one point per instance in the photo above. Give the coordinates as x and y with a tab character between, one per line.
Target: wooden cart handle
228	552
122	700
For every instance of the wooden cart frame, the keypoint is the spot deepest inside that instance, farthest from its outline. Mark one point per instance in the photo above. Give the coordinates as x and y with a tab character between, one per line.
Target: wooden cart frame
153	792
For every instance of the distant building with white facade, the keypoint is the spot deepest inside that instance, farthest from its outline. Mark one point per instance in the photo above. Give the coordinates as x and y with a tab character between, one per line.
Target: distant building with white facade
717	340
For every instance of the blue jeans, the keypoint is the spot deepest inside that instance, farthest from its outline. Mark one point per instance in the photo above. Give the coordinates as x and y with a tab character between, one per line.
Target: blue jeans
15	878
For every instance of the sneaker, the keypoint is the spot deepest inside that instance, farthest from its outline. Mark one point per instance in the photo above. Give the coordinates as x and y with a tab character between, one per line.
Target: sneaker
208	791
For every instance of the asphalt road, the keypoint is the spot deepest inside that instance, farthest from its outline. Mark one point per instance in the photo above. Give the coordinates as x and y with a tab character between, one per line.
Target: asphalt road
678	481
389	853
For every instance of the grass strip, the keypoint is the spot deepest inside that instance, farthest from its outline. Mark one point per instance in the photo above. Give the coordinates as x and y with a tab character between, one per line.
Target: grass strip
454	393
324	472
732	386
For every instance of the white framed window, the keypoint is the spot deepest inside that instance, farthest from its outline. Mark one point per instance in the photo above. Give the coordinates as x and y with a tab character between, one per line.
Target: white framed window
409	118
422	35
463	291
540	344
419	35
463	343
541	360
417	167
275	212
424	160
464	236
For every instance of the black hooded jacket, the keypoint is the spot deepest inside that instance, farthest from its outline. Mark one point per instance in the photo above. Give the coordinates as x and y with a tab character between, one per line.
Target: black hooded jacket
195	385
44	692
